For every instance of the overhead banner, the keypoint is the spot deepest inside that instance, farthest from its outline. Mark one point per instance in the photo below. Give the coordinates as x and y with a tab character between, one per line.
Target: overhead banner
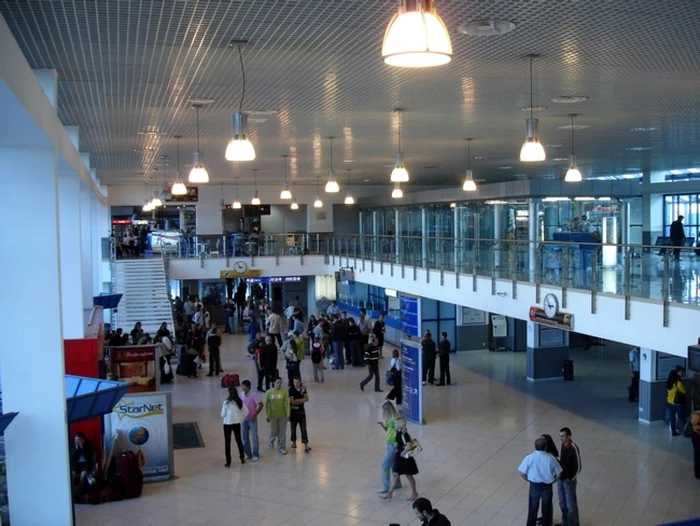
234	274
143	423
410	315
412	381
561	320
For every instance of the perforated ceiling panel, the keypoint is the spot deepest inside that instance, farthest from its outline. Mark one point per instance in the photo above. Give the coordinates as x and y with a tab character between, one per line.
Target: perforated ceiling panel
127	66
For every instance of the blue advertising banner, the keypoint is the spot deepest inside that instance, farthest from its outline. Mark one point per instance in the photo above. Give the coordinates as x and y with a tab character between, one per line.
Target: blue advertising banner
410	315
412	376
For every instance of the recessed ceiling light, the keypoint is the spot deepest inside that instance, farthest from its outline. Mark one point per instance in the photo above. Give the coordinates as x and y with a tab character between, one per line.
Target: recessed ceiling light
480	158
257	120
631	169
574	126
152	133
348	161
533	108
203	101
486	28
366	180
559	159
144	149
553	145
637	148
505	167
262	113
521	176
631	176
569	99
642	129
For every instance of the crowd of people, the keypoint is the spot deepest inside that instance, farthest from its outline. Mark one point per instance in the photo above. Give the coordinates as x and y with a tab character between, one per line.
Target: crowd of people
134	242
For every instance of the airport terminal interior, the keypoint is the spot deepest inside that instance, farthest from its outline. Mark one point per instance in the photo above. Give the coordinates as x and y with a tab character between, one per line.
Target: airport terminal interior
520	176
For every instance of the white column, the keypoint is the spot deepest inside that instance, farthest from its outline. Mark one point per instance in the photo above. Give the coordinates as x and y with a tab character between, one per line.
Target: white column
86	225
71	258
36	442
397	236
96	253
533	223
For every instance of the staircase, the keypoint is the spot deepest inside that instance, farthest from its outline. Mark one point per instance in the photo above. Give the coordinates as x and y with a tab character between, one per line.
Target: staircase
145	288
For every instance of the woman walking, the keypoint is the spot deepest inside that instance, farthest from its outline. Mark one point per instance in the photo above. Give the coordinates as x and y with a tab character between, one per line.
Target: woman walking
402	465
389	417
396	392
676	398
233	412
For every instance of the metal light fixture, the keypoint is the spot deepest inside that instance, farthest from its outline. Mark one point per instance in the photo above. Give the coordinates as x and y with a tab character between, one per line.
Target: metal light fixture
294	205
416	37
349	199
198	174
532	150
573	174
156	202
236	202
179	187
285	194
397	193
469	183
318	203
239	147
332	186
399	174
256	200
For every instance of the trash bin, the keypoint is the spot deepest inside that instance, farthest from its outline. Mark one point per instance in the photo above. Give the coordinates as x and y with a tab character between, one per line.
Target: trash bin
568	370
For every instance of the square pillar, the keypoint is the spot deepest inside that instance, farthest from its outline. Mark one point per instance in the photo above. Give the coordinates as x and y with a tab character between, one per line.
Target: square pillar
36	442
86	225
71	257
547	348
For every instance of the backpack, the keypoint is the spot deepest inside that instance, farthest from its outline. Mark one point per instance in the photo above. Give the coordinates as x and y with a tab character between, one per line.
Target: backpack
316	356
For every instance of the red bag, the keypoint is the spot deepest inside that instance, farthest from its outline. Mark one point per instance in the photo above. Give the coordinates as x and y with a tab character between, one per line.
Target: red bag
230	380
130	474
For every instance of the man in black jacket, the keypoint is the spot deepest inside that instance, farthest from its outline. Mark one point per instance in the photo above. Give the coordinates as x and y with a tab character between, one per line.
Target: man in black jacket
570	461
269	361
338	334
214	344
444	350
430	516
677	237
428	346
372	362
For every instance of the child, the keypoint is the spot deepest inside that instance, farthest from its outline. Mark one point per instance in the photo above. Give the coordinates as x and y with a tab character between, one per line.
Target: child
317	352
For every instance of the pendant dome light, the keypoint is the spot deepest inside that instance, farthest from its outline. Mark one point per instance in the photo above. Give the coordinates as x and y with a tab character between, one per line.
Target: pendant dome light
285	194
349	199
573	174
397	193
532	150
236	202
179	187
469	183
294	205
239	147
256	200
416	37
399	174
147	207
332	186
318	203
198	174
156	202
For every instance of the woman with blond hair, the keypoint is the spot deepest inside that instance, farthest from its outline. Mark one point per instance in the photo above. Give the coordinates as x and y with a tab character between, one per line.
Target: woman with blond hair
402	465
389	416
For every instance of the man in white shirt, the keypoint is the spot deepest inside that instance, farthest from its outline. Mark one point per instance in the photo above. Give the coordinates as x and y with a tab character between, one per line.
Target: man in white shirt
634	371
273	324
333	309
541	470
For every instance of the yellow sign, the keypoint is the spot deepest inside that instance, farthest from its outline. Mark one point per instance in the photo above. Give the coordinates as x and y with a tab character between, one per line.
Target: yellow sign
248	273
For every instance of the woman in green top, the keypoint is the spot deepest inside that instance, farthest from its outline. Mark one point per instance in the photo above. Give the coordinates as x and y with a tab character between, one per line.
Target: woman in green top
676	398
389	416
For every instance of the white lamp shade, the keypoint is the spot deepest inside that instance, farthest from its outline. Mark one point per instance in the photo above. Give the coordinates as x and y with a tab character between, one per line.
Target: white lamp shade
240	150
147	207
286	194
256	200
332	186
416	39
532	152
399	175
318	203
236	204
178	188
349	200
397	193
295	206
198	174
573	175
156	202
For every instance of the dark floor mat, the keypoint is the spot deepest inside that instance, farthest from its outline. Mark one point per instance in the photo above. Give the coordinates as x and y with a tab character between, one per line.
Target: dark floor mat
187	436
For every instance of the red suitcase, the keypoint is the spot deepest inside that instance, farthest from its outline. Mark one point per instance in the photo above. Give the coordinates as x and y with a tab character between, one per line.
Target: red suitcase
230	380
130	474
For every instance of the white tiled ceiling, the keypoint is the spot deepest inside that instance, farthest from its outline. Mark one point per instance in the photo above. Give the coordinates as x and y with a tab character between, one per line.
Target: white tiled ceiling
127	66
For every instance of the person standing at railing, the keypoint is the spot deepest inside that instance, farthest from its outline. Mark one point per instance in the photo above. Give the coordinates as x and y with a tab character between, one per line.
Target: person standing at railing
677	237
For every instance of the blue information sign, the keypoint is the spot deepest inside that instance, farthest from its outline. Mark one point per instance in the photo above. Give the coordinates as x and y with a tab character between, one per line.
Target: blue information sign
410	317
412	376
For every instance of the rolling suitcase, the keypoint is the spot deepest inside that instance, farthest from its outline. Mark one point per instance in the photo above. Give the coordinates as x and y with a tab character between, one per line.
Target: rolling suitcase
130	475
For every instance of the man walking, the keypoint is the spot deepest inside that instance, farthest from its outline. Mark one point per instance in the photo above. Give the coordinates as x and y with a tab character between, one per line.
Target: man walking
540	469
634	372
444	351
372	362
230	311
277	408
365	324
268	361
428	346
338	334
570	459
298	397
273	324
677	237
214	344
249	427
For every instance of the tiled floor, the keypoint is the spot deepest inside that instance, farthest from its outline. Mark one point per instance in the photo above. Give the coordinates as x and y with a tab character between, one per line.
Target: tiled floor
478	431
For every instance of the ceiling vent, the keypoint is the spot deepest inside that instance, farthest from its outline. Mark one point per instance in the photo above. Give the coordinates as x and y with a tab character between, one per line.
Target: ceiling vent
486	28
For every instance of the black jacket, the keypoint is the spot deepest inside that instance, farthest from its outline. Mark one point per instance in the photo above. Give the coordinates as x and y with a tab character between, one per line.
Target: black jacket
338	332
214	342
677	232
268	356
438	520
371	355
444	348
570	461
428	347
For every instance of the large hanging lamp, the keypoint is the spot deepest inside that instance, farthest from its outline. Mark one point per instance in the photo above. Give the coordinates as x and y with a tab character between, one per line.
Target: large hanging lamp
349	199
416	37
469	183
397	193
399	174
148	206
332	186
239	147
573	174
318	203
285	194
294	205
236	202
198	174
532	150
179	187
256	200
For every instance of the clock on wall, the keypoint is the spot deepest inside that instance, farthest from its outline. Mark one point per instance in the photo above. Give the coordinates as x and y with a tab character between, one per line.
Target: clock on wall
550	305
240	266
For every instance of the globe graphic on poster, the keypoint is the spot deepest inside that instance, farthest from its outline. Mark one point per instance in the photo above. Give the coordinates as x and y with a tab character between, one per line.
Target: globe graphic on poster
139	436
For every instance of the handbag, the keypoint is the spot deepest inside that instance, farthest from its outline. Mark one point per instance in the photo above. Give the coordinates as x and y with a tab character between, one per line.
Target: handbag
389	378
413	449
167	369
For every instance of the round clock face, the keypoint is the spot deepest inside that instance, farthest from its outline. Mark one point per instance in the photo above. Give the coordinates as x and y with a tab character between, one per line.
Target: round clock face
550	305
240	266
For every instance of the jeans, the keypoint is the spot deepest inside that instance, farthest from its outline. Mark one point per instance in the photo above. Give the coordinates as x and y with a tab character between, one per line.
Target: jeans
338	354
373	371
386	466
445	369
299	417
278	430
567	503
676	412
318	372
539	492
249	430
356	353
214	362
231	324
236	428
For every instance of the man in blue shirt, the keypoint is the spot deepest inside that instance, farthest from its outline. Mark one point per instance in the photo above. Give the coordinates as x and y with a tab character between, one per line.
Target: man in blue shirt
541	470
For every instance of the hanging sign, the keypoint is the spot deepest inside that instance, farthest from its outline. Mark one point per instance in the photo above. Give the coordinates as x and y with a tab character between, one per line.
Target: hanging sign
412	381
410	315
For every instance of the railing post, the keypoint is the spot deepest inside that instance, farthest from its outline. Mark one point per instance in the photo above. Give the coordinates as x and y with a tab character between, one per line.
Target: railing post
512	265
492	258
664	287
594	281
564	274
626	281
538	273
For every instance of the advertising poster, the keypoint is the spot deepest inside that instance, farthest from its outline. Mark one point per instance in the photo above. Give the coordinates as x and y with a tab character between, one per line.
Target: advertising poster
142	423
410	315
412	376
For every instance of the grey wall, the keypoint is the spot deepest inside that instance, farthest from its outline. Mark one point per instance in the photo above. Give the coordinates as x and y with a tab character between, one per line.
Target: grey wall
284	219
346	220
